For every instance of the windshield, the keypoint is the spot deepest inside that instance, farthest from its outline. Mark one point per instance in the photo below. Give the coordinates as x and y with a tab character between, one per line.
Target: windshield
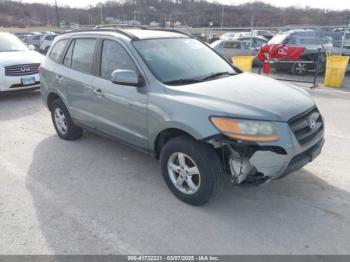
175	60
9	43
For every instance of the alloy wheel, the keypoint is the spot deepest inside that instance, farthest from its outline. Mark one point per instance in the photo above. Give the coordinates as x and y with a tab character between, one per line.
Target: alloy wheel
184	173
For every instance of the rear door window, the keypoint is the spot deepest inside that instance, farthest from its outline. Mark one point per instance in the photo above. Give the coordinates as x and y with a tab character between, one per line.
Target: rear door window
83	54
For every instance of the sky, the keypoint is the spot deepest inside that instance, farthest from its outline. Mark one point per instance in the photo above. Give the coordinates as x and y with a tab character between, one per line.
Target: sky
324	4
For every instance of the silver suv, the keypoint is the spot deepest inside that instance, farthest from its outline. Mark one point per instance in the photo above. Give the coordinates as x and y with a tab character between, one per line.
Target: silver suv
173	97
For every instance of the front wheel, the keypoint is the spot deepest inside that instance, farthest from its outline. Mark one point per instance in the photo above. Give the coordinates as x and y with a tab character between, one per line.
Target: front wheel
192	170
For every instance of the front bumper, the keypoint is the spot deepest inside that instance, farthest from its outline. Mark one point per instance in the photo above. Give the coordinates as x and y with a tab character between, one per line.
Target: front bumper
276	159
304	158
14	83
275	165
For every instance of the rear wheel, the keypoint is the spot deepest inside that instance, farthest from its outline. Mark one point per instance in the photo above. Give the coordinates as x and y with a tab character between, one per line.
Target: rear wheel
63	123
192	170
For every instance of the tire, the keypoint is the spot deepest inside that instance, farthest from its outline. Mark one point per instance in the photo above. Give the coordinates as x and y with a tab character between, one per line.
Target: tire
299	69
72	132
210	179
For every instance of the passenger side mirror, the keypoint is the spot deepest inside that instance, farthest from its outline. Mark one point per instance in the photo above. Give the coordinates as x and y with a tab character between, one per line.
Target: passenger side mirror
126	77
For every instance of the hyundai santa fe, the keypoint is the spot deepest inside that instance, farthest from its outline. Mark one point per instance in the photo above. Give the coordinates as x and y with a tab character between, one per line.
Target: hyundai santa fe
172	96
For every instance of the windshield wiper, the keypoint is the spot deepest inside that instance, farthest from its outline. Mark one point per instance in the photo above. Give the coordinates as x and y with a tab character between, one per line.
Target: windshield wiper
216	75
185	81
182	81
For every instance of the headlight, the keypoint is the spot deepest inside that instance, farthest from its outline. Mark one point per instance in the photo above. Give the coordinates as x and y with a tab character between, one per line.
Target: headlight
249	130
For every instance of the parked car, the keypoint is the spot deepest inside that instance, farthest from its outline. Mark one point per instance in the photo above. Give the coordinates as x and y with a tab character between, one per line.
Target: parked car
234	35
212	38
23	36
35	40
239	47
263	33
19	66
313	43
46	41
257	41
173	97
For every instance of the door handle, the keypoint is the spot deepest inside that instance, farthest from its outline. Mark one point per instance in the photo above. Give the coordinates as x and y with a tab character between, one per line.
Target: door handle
98	91
59	78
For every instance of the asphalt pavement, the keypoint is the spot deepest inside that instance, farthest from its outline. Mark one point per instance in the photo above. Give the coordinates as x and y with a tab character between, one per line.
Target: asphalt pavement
94	196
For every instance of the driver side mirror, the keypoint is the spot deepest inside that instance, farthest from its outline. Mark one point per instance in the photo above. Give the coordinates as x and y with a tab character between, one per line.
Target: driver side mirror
31	47
126	77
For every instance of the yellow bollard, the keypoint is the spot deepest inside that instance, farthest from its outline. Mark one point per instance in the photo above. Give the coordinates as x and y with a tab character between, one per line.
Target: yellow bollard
244	63
335	70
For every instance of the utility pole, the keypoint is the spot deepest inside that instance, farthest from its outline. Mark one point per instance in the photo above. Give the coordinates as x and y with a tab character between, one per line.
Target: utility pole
222	16
57	16
101	14
346	29
251	34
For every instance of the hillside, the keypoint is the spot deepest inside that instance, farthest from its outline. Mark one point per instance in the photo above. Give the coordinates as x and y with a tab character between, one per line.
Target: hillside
189	12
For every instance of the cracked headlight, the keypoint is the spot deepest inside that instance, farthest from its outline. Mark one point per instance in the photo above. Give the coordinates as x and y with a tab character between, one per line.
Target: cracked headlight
248	130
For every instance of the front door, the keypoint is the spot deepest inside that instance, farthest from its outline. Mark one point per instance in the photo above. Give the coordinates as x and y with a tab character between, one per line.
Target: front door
124	110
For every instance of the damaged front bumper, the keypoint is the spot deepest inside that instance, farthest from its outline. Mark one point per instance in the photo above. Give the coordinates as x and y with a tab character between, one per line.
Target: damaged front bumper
259	162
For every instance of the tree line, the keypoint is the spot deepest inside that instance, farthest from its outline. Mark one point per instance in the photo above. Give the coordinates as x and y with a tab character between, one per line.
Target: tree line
195	13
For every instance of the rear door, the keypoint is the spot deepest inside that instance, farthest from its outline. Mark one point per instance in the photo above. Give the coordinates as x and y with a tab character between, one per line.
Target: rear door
77	81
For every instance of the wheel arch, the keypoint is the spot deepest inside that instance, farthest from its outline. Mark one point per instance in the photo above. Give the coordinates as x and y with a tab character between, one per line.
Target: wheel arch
53	95
165	136
50	98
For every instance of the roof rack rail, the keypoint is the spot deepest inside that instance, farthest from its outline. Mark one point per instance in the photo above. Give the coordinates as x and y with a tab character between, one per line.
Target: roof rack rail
121	26
118	28
105	29
171	30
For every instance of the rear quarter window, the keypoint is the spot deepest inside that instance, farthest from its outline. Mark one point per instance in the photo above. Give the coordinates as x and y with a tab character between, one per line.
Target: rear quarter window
57	50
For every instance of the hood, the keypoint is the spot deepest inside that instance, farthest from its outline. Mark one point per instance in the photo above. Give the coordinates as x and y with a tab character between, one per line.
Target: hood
20	57
247	95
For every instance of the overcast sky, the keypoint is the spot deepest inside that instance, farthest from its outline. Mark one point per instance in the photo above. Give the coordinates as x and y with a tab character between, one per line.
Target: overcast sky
335	4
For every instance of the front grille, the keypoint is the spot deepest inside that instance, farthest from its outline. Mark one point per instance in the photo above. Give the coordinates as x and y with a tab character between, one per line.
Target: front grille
307	126
21	70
